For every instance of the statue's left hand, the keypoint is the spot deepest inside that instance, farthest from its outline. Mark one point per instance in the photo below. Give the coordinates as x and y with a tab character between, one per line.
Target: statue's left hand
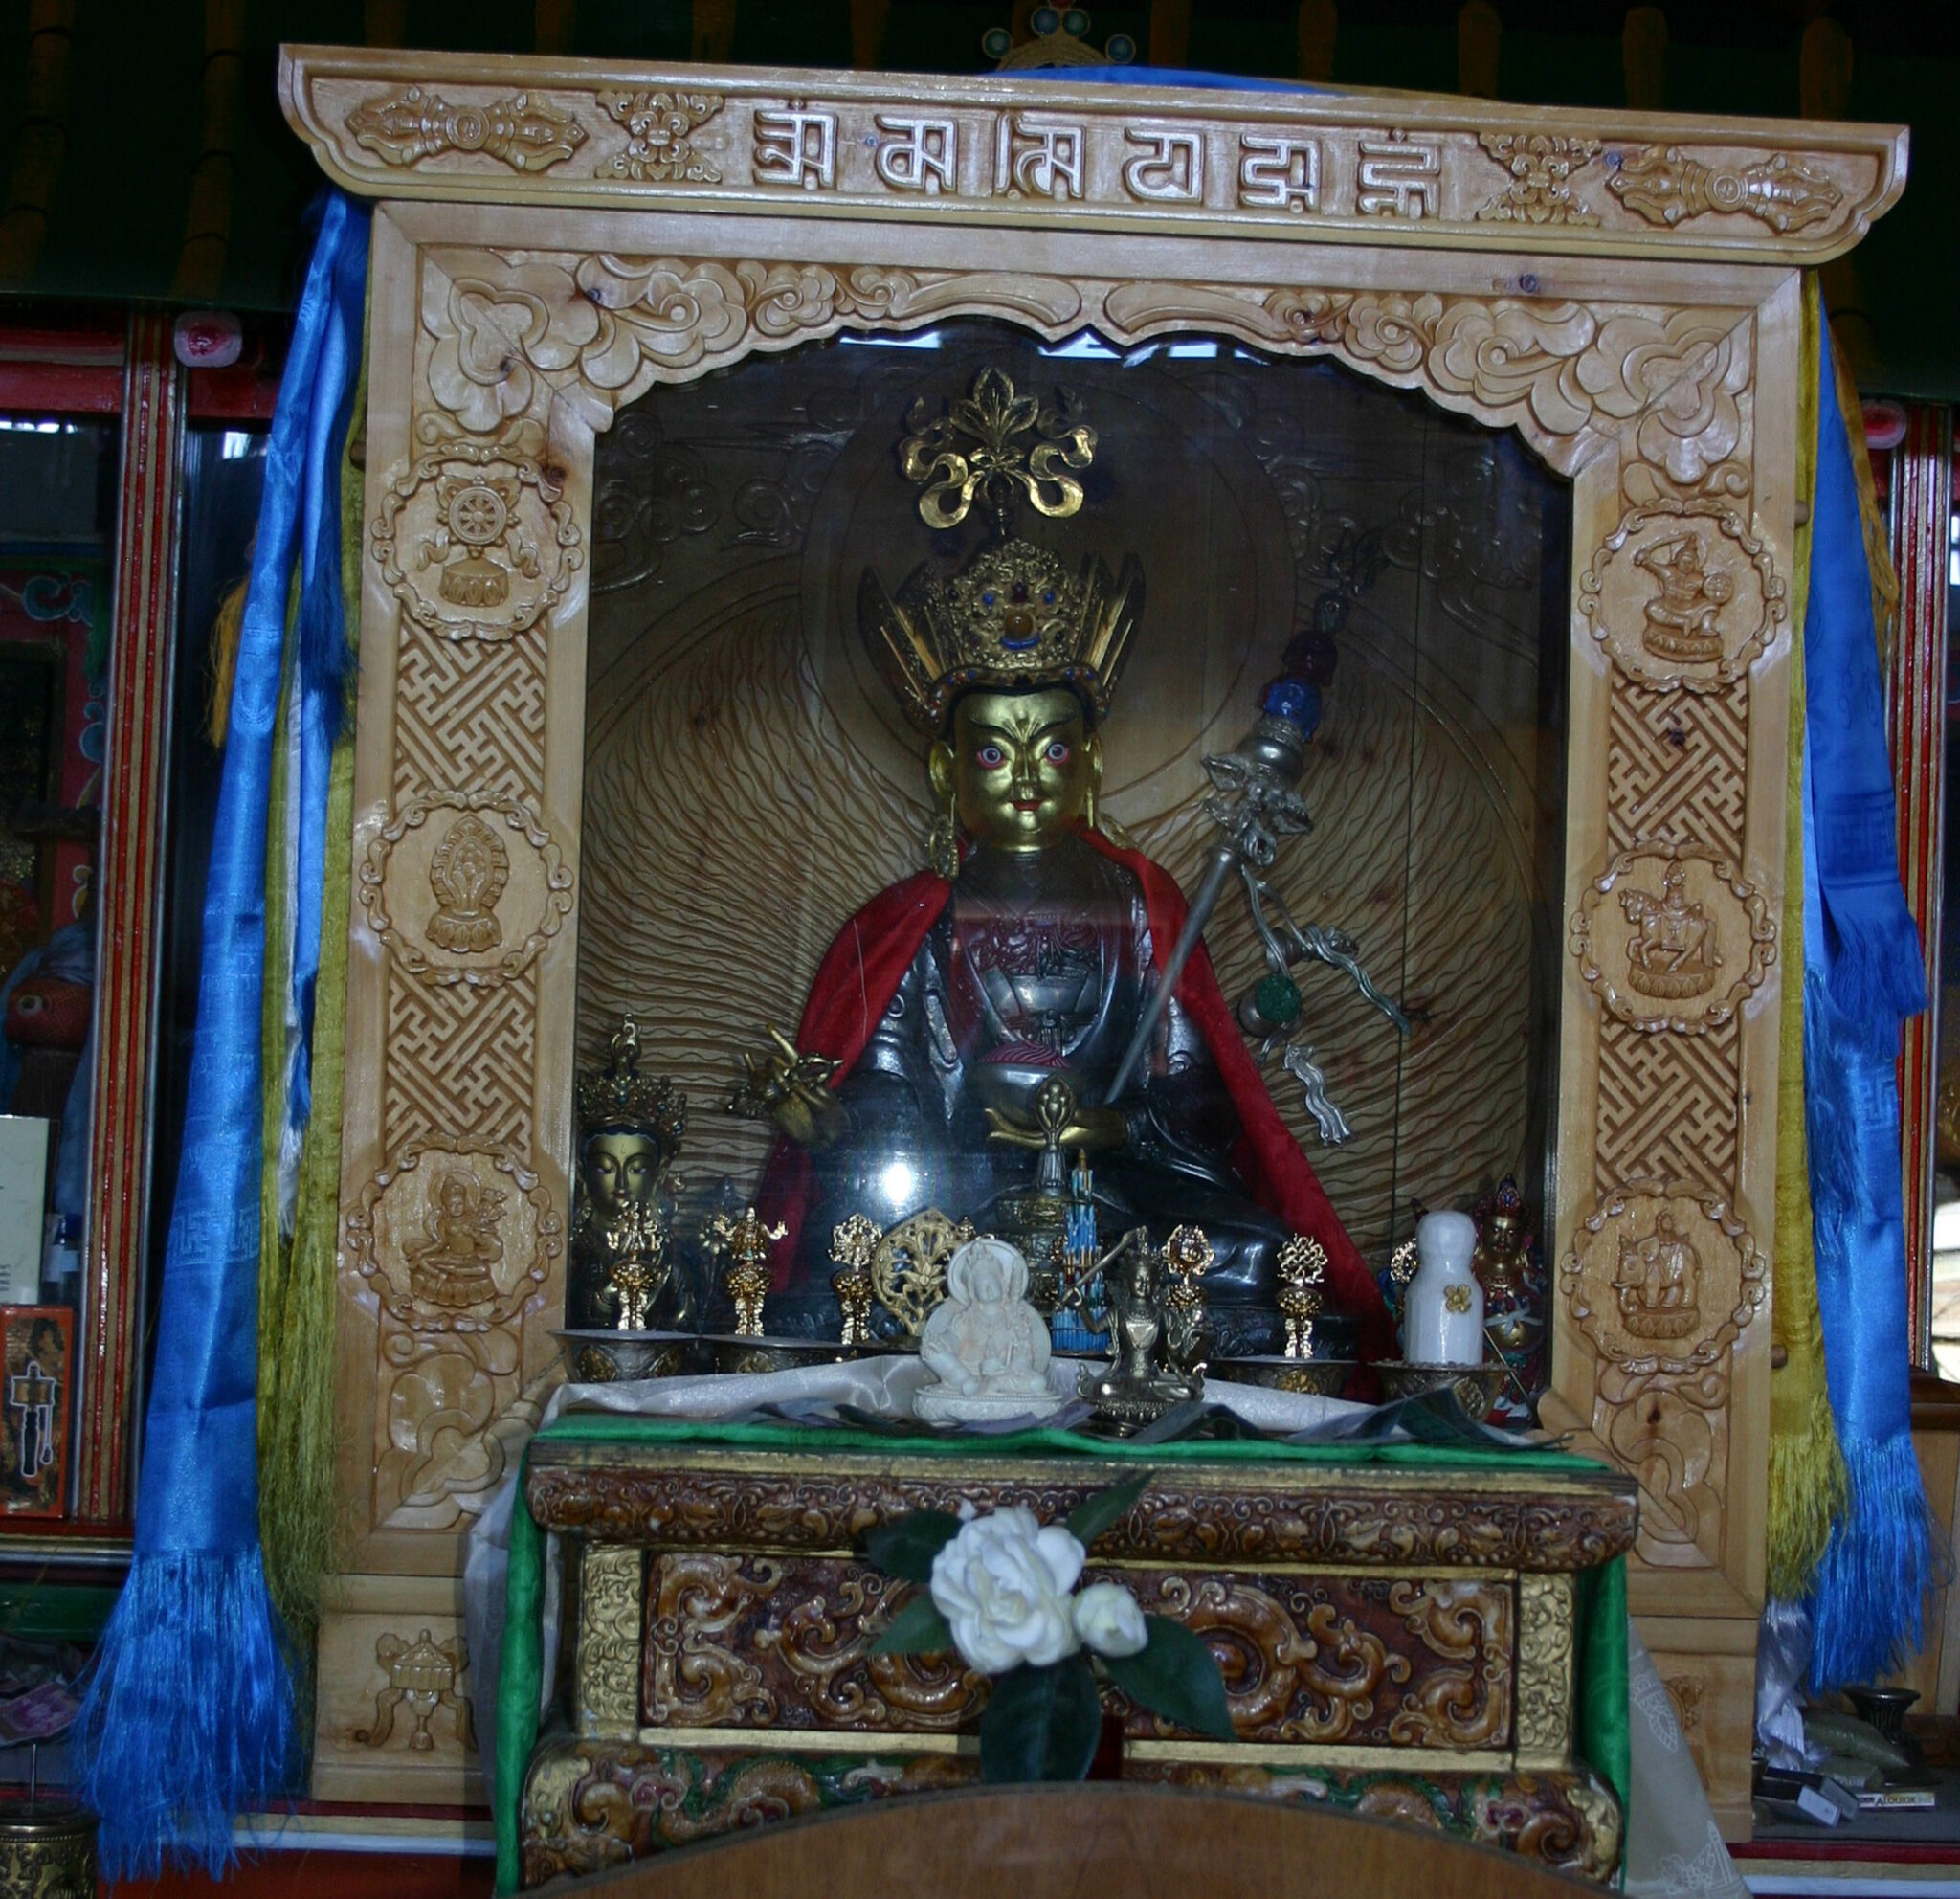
1097	1128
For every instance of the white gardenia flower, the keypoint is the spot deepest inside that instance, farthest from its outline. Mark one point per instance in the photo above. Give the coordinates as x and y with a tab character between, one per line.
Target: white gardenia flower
1003	1586
1109	1621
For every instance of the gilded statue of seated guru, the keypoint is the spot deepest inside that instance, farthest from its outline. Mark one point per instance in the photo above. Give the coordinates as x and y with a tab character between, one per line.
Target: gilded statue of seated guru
1028	953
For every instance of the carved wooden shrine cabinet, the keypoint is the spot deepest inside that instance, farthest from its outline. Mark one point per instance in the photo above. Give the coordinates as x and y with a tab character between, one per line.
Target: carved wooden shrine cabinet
1405	1643
554	240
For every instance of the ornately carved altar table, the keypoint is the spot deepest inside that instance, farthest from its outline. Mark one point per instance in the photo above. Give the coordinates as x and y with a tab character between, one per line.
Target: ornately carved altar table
1432	1635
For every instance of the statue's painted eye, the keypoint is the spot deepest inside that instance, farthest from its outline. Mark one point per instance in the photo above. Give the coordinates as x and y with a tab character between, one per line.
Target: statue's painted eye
990	757
1057	752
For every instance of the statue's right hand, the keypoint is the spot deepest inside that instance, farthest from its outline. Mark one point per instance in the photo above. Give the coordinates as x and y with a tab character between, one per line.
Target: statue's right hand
792	1090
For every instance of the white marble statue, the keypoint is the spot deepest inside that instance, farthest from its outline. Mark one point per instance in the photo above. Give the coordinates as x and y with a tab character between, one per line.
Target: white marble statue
984	1344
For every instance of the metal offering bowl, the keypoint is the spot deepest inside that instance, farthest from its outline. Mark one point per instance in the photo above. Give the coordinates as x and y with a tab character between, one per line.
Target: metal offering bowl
599	1357
1476	1385
731	1354
1317	1377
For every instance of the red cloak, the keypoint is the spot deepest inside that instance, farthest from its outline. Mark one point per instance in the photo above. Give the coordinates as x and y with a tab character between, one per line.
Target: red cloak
860	973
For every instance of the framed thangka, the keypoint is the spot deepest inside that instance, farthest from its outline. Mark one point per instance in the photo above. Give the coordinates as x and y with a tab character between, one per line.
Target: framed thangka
1468	428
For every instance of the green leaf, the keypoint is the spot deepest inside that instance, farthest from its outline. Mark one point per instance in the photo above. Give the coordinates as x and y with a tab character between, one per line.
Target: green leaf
1093	1515
1177	1677
907	1546
917	1629
1042	1723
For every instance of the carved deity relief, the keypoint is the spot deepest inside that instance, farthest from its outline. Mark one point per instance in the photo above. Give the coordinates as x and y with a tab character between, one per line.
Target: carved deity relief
1682	594
466	875
455	1237
472	900
1672	938
1663	1278
451	1264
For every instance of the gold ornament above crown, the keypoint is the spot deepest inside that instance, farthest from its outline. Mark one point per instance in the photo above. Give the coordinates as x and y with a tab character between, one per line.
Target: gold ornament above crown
1012	616
619	1096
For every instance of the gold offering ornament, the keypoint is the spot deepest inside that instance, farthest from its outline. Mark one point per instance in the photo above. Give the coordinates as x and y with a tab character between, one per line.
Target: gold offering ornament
1303	1276
744	1242
853	1242
909	1265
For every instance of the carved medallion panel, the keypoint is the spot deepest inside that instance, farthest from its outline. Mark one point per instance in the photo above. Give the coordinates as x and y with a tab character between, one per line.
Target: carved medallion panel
455	1237
1684	595
465	887
1672	938
476	542
1663	1278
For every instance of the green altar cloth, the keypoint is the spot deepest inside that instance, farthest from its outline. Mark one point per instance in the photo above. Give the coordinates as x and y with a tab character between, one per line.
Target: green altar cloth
1602	1710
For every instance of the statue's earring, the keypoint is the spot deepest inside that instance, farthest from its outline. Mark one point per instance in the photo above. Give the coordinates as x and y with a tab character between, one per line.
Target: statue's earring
943	841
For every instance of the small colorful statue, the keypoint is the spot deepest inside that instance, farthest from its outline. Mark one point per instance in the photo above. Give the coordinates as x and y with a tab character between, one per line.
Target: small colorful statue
1512	1274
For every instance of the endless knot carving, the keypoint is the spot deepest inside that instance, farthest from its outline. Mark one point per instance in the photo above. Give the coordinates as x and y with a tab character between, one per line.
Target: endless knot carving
432	891
1541	169
1667	186
659	131
464	1244
494	535
426	1675
1682	594
1683	941
524	132
1668	1106
1662	1277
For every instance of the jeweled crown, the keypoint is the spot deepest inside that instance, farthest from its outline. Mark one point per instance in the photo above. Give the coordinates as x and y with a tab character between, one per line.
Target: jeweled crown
1013	615
619	1096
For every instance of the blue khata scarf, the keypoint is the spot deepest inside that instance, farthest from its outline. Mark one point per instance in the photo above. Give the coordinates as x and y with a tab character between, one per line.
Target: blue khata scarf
188	1718
1866	971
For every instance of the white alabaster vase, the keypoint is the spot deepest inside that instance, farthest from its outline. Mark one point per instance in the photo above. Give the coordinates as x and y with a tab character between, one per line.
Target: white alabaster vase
1442	1311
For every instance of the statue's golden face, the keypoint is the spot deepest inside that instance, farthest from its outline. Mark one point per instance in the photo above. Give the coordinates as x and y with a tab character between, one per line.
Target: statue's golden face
621	1169
1021	766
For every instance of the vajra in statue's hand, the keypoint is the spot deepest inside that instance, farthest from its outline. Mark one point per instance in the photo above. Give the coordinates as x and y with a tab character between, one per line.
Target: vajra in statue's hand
792	1090
1058	1120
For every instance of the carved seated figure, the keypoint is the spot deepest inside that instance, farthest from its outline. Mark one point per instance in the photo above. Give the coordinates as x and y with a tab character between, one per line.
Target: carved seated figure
1029	951
985	1345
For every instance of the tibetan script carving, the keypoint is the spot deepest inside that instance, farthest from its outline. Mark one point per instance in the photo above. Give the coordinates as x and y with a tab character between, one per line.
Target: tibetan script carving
1279	172
1166	167
796	148
1038	160
917	155
1399	176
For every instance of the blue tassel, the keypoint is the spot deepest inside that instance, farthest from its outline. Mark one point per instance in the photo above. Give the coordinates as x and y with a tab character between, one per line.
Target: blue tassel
1866	1600
188	1715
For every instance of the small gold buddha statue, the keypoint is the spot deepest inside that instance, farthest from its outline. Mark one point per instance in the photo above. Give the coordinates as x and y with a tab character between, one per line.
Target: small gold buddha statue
957	1010
630	1131
744	1244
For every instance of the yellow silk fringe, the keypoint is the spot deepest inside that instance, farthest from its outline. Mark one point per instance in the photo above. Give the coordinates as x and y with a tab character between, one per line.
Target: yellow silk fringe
298	1437
1807	1476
